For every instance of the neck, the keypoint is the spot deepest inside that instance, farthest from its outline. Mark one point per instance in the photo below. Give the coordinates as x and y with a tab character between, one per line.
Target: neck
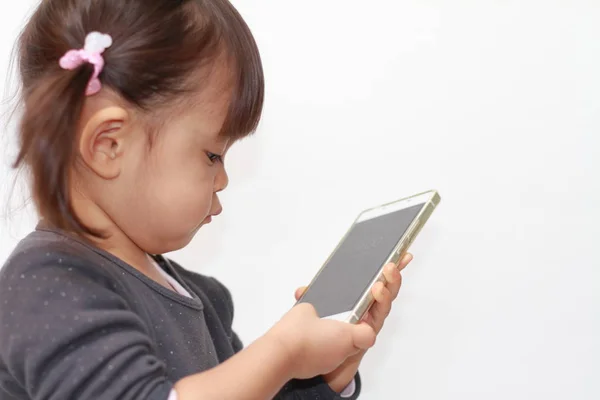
113	239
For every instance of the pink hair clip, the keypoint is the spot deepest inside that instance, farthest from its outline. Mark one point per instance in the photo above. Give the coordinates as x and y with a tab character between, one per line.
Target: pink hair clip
95	44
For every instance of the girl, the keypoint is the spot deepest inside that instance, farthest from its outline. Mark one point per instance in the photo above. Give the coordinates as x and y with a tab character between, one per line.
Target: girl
128	111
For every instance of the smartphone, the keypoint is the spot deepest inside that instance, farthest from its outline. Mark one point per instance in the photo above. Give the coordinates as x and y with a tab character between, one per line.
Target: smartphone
341	290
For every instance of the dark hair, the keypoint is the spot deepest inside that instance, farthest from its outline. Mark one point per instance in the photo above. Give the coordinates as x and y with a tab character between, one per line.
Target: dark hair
157	47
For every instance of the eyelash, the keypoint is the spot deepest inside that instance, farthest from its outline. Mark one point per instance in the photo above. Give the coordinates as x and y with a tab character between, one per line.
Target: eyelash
214	157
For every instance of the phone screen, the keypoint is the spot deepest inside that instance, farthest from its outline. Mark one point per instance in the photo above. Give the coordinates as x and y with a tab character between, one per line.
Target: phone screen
357	261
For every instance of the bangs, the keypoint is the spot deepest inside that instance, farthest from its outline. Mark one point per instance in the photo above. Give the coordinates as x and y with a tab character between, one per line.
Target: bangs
246	105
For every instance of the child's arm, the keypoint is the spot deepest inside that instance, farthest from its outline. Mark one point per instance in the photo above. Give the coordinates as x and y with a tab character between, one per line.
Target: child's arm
300	346
300	389
257	372
296	389
309	389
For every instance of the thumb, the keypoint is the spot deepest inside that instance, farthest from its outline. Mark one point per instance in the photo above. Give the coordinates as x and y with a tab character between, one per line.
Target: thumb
363	336
299	292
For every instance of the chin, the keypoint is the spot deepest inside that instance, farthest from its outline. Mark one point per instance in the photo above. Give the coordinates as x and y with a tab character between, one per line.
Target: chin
184	238
167	245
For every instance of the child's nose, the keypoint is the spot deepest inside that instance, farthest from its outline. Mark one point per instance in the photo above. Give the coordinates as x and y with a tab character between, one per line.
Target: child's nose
221	181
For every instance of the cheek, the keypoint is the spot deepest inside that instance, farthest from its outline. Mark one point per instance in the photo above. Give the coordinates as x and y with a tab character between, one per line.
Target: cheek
169	209
162	198
183	191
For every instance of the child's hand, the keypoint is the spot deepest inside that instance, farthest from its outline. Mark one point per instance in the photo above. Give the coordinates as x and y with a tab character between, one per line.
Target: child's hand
384	296
317	346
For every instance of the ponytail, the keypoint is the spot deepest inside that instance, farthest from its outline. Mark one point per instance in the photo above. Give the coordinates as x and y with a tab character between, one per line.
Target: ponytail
47	134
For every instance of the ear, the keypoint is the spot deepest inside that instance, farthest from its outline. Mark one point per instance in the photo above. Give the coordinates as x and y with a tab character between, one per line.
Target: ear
102	141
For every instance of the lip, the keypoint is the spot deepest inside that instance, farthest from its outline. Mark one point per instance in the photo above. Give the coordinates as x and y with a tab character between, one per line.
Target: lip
208	218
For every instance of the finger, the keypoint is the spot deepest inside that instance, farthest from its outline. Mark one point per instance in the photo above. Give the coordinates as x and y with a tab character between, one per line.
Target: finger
368	319
393	279
363	336
382	306
299	292
404	261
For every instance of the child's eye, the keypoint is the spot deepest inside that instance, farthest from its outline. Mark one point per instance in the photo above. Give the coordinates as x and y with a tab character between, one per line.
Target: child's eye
213	157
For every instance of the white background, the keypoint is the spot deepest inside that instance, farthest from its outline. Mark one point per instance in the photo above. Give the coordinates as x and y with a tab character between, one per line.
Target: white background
494	103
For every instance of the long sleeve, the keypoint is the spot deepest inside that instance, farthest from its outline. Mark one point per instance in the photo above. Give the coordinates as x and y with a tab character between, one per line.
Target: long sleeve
296	389
315	388
66	334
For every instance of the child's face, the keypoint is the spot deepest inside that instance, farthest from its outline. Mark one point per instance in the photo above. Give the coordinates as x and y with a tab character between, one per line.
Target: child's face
163	192
174	190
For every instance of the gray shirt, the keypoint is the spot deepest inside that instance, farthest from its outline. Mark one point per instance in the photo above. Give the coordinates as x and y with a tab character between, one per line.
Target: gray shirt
78	323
